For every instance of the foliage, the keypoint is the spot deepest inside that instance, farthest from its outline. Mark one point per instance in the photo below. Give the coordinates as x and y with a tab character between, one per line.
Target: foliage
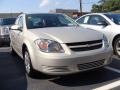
106	6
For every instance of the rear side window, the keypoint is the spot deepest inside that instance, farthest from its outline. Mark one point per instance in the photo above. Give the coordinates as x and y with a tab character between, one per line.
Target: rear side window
95	20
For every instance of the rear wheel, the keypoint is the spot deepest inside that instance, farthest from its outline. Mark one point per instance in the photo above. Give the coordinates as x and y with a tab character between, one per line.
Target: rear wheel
116	47
28	65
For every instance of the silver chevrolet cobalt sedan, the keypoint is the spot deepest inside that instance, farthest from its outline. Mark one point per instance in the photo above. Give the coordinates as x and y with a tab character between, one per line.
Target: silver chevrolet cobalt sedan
56	45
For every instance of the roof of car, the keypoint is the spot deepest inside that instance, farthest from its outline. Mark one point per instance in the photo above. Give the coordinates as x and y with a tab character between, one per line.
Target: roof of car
109	13
42	13
101	13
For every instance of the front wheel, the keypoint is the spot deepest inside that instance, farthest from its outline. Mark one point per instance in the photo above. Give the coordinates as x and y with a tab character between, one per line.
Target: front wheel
116	47
28	65
13	51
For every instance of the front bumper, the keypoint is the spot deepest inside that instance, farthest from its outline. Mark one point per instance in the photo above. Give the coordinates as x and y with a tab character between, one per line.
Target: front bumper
61	64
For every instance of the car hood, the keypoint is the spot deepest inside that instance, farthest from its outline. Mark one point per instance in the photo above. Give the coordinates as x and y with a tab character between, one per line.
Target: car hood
67	34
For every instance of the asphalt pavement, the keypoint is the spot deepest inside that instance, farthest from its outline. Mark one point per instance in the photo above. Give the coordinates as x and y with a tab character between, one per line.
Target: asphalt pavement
13	77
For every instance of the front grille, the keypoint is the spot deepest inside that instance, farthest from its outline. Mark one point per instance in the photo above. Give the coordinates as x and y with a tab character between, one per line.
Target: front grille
56	68
85	46
90	65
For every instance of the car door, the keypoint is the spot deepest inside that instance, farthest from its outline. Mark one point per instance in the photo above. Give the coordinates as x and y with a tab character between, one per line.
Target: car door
95	22
17	35
13	35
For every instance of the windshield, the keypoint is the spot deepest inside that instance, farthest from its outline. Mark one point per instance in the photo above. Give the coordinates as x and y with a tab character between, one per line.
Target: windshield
114	18
8	21
48	20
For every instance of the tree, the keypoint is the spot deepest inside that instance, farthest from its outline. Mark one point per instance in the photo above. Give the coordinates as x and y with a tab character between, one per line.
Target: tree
96	8
106	6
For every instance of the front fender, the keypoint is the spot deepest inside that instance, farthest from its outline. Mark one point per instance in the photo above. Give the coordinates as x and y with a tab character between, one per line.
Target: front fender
31	51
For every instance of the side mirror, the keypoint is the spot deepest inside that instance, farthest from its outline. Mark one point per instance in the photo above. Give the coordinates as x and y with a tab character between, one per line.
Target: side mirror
15	27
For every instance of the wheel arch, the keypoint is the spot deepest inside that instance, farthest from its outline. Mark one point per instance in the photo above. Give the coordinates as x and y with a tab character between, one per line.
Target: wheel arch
28	46
115	39
23	49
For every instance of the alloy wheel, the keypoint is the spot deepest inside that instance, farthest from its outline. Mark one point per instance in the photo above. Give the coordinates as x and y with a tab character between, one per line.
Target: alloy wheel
27	62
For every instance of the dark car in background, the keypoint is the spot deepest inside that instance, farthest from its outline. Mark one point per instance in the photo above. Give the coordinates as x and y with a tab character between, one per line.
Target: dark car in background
5	24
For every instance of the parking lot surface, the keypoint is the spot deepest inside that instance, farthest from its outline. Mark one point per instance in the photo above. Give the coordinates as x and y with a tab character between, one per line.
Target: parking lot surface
13	77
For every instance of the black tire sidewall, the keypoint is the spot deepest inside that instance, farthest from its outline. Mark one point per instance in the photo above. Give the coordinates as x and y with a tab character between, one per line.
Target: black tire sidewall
114	46
13	51
31	68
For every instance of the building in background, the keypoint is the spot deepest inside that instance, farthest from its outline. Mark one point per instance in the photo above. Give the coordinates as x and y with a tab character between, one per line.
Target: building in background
9	15
74	13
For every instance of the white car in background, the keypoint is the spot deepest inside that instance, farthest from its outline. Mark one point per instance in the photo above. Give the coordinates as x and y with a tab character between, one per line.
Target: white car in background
55	44
107	23
5	24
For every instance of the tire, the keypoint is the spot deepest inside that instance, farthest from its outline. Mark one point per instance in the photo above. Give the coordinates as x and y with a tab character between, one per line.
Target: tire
28	66
13	51
116	47
0	45
1	42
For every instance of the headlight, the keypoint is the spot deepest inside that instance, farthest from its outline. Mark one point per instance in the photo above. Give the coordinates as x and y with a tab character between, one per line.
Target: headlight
49	46
105	41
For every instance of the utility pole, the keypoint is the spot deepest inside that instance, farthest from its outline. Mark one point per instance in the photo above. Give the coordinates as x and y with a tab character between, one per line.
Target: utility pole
81	7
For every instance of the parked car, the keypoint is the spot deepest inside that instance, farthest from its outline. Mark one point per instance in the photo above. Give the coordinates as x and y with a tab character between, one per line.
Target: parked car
55	44
5	24
107	23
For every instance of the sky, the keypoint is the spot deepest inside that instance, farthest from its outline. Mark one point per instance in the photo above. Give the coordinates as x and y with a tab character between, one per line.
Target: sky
31	6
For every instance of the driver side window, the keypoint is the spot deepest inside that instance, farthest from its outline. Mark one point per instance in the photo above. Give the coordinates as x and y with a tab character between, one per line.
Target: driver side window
83	20
20	22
